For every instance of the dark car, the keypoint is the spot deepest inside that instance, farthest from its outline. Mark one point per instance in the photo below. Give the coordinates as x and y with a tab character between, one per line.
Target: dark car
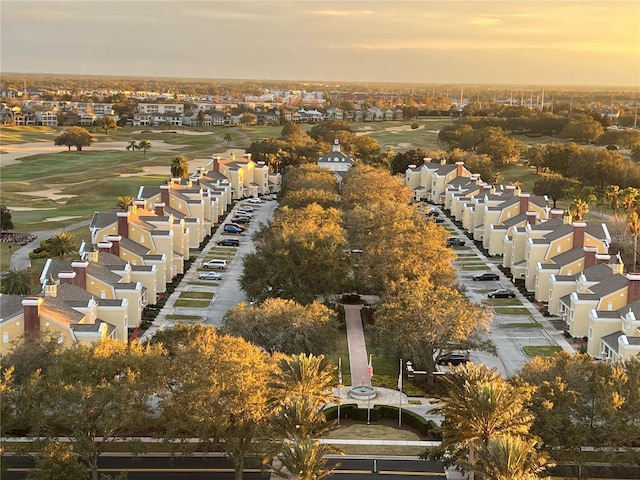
452	358
241	220
433	213
455	242
486	276
502	293
438	219
229	242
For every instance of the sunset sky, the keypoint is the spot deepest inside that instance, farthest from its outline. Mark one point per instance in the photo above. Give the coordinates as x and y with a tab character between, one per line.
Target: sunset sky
473	42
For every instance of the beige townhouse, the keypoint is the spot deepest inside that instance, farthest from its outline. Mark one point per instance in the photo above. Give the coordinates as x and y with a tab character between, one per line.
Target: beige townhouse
429	180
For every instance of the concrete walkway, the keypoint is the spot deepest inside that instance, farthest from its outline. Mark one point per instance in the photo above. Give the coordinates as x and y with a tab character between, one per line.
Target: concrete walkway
358	359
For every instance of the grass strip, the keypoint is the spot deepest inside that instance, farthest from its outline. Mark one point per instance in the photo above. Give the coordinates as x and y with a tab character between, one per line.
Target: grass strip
192	303
196	295
521	325
541	350
194	318
510	311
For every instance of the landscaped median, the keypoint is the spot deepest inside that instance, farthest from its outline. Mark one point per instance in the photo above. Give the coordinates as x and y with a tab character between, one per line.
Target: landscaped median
194	299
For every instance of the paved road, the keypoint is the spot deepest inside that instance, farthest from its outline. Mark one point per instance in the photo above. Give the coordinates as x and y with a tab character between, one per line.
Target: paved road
164	467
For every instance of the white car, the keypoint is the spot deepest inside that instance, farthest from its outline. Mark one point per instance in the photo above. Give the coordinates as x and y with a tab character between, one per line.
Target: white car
254	200
210	276
245	208
215	264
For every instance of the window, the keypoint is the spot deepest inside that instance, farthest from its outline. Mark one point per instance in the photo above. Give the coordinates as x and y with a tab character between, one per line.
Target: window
609	306
5	337
590	333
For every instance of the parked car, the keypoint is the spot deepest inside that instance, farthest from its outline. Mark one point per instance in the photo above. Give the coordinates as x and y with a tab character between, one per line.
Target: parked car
241	219
242	213
452	358
215	264
254	200
433	213
245	208
438	220
486	276
210	276
502	293
231	229
455	242
229	242
241	227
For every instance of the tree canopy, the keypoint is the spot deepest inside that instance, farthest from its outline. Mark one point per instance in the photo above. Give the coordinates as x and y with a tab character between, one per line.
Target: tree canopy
74	137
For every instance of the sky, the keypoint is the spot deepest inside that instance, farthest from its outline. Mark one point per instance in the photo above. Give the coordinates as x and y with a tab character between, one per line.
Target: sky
509	42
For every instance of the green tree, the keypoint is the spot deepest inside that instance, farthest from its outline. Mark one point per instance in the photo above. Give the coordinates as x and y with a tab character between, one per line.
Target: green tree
247	119
95	395
633	227
555	186
179	167
511	458
578	209
62	244
582	128
17	282
612	193
6	223
629	198
283	325
107	123
144	145
133	146
201	117
304	459
479	406
74	137
304	377
223	405
420	321
57	461
299	256
226	138
125	202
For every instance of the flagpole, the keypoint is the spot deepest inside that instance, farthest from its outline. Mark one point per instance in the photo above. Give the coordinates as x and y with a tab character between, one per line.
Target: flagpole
400	391
370	369
339	386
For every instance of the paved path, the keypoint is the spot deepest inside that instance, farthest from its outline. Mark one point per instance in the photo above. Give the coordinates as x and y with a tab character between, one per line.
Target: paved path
357	347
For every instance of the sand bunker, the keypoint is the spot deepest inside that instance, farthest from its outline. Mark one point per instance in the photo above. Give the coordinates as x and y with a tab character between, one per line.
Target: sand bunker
60	219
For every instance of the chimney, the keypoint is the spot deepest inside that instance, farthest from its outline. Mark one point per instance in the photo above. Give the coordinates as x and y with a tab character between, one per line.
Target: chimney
105	246
32	314
578	234
443	161
511	189
80	268
164	194
633	293
531	218
115	244
51	288
67	277
159	208
524	203
589	256
123	224
426	160
602	258
216	164
248	156
411	167
141	203
176	181
556	213
459	166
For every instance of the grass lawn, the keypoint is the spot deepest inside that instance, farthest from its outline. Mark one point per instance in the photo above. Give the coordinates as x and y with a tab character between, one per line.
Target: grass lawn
375	432
192	303
510	311
194	318
341	351
196	295
502	302
521	325
541	350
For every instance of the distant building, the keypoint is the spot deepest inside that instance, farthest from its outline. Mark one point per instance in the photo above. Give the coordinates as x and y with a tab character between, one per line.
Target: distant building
336	161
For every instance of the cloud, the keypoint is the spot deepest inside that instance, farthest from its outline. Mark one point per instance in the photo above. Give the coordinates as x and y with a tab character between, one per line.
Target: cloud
342	13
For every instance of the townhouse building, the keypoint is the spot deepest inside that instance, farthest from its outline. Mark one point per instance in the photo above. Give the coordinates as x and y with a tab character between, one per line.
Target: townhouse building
161	108
336	161
430	180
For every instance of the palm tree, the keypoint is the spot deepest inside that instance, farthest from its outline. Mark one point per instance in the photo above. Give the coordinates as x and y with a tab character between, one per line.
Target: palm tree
304	376
480	406
133	145
300	418
179	167
62	244
144	145
630	197
633	227
304	459
511	458
613	196
578	209
227	138
16	282
125	202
